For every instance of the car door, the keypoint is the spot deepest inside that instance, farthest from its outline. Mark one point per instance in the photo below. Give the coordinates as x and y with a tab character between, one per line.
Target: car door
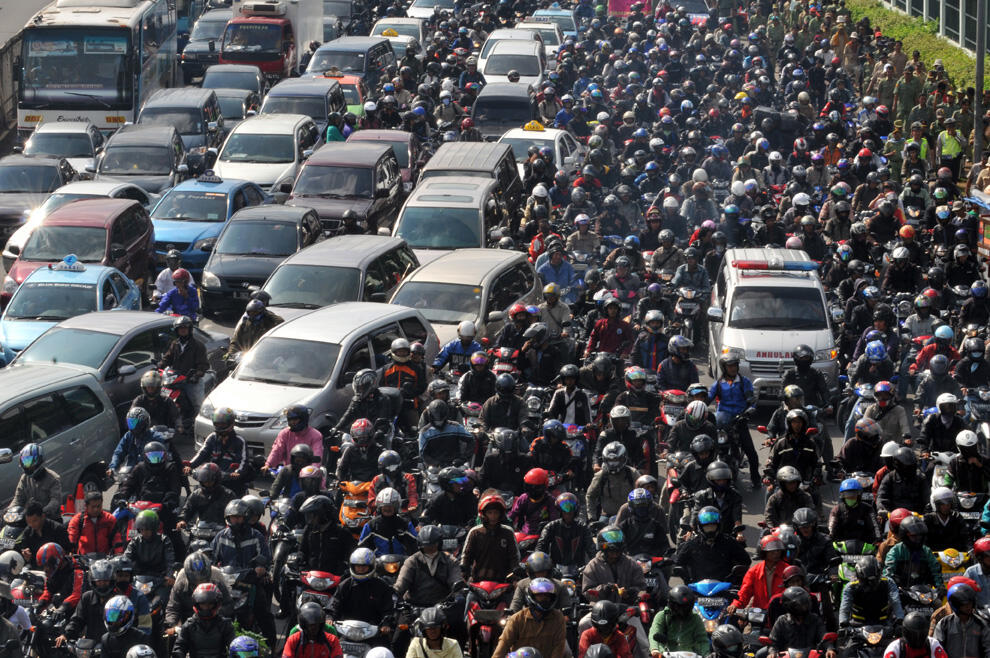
719	297
48	424
216	348
127	294
118	255
381	342
87	441
374	289
138	354
13	436
358	357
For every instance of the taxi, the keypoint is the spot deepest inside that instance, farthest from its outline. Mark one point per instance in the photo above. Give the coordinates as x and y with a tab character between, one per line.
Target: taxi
566	19
192	214
355	91
60	291
568	153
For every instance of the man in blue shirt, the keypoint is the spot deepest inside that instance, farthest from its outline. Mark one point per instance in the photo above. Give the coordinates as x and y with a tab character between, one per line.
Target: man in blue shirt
458	351
559	271
471	74
183	298
735	394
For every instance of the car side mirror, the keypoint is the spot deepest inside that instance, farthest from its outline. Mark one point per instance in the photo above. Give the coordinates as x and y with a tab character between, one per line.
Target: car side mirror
183	168
378	297
6	455
716	314
116	253
285	188
14	249
124	370
18	149
90	169
496	316
381	194
212	45
307	153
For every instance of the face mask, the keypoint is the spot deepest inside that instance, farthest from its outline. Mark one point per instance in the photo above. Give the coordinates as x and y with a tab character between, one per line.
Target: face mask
851	502
446	101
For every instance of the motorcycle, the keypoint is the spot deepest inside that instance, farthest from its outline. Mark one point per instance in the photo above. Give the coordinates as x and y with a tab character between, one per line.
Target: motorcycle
453	539
354	511
849	553
355	637
486	609
939	465
971	503
953	562
527	544
653	571
505	361
86	648
672	496
13	525
687	311
868	641
713	598
920	598
803	652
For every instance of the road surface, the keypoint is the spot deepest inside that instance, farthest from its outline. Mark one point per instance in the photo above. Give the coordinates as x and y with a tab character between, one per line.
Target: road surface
14	14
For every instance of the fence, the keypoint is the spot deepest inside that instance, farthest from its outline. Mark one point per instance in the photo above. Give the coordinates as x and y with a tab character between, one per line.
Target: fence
956	18
8	96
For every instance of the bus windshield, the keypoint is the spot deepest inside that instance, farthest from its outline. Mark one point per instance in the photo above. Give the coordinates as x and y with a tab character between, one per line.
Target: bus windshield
76	67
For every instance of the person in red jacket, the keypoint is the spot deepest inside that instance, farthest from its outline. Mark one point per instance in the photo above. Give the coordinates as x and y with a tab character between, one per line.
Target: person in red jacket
755	591
611	333
312	639
63	578
604	623
95	530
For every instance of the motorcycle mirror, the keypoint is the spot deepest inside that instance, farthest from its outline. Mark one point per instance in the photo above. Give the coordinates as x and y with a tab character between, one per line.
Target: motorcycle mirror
811	431
830	637
762	429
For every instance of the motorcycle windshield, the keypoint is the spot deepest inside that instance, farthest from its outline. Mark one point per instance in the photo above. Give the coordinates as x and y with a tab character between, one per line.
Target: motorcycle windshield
709	586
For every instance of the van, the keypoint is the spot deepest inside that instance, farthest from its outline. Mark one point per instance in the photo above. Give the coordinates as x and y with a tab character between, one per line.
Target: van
766	302
524	57
484	159
314	97
370	58
502	35
501	106
194	112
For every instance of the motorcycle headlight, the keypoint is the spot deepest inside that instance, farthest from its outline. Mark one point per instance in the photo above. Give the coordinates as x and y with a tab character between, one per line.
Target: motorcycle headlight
966	501
873	638
210	280
319	584
827	354
985	394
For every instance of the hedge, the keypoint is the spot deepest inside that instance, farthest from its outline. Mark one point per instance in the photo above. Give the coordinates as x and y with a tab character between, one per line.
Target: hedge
919	35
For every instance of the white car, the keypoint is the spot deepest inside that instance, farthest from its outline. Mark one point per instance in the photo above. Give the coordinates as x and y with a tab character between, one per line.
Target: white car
424	8
268	149
526	57
76	141
548	31
567	151
399	31
503	34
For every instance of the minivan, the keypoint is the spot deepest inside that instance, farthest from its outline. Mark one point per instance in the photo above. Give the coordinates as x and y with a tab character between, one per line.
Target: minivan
151	157
194	112
501	106
314	97
371	58
485	159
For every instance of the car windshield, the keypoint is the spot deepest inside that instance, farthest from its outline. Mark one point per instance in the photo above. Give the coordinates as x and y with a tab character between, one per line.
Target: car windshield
337	8
204	30
502	110
341	60
502	64
258	239
443	4
51	301
351	96
252	38
313	286
19	178
247	80
564	21
784	309
186	122
404	29
520	146
76	346
194	206
231	107
88	243
440	228
60	145
149	160
333	182
289	362
548	34
401	148
443	303
247	147
314	107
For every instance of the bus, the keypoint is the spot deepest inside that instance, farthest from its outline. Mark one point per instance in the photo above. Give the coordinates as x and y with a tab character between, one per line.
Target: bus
94	60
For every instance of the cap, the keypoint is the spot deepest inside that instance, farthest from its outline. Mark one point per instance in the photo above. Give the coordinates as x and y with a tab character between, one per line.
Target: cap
899	124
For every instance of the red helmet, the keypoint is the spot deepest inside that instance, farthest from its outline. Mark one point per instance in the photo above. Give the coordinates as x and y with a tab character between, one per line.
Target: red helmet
713	113
50	555
537	477
516	309
361	431
865	153
896	517
907	231
930	293
467	124
981	547
882	110
488	501
771	542
962	580
182	274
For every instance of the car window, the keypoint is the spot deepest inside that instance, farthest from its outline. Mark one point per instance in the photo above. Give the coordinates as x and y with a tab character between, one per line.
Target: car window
381	339
239	201
120	286
393	268
118	236
374	280
409	261
12	434
413	329
139	350
504	291
133	226
134	194
359	358
528	278
109	295
45	417
313	229
82	403
254	196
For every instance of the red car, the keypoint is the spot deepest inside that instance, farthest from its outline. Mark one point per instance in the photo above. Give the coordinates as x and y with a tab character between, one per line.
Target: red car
115	232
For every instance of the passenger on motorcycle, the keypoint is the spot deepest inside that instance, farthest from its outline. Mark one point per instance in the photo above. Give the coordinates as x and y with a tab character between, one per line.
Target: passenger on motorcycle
720	494
325	544
972	370
183	298
156	478
251	326
428	576
539	357
288	481
87	618
871	598
910	562
980	572
796	448
649	484
976	309
208	501
130	448
368	401
677	371
539	565
225	448
935	383
793	399
64	578
610	334
388	533
444	442
490	550
359	462
505	408
677	627
612	483
946	527
645	531
511	335
764	579
119	618
708	552
963	633
93	529
941	345
902	275
196	570
160	407
939	430
968	470
312	639
207	632
478	383
297	432
693	477
390	475
883	329
643	405
787	498
567	539
799	627
650	347
604	631
815	550
862	451
889	415
505	462
915	641
537	630
902	487
809	379
534	507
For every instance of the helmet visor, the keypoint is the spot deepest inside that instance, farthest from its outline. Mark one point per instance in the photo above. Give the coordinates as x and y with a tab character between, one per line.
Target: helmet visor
155	456
132	423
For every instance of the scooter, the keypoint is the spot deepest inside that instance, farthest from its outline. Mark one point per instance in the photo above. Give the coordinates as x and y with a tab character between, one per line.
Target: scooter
713	598
485	611
355	637
868	641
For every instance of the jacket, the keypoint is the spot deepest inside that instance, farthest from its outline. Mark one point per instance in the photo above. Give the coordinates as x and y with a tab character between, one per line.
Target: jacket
420	586
561	404
969	639
45	487
546	635
248	549
613	336
676	375
224	455
489	554
130	448
715	559
180	607
649	350
569	545
51	531
247	332
178	304
870	606
502	411
87	619
608	491
669	632
204	639
457	355
754	586
443	509
781	506
161	409
158	484
897	565
616	642
154	556
893	422
625	573
983	580
371	600
203	505
287	440
897	490
63	589
788	632
733	397
529	516
191	361
327	646
99	535
859	522
387	535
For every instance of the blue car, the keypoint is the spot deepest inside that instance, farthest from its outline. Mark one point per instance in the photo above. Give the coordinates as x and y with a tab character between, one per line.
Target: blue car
60	291
565	18
191	215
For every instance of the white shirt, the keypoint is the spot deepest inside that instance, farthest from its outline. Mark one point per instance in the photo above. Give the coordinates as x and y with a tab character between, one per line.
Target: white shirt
569	407
164	282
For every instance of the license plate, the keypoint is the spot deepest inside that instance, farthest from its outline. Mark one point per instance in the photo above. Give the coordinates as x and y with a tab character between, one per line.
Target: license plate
651	583
970	515
711	602
241	294
851	558
772	391
450	544
354	648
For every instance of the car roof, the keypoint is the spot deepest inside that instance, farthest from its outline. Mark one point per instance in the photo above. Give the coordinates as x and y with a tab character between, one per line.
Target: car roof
142	135
64	127
345	251
448	191
178	97
266	124
26	379
467	156
119	322
232	92
380	135
516	47
351	43
98	187
303	87
546	133
209	184
506	89
333	324
465	266
89	212
233	68
511	33
400	20
272	212
769	277
360	153
30	160
91	274
216	15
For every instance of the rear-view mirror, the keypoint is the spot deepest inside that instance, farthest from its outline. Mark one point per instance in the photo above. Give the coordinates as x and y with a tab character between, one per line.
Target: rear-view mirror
6	455
124	370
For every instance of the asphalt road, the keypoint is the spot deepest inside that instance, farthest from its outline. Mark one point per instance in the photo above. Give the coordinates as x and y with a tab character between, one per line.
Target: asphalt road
14	14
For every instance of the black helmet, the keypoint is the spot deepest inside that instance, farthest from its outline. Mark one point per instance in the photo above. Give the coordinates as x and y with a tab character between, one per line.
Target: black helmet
904	457
311	617
915	630
438	413
429	534
803	354
182	321
604	616
868	572
702	443
961	594
505	383
681	600
804	517
364	382
302	452
103	571
389	461
536	333
602	365
598	651
913	530
317	510
570	370
727	640
796	601
300	413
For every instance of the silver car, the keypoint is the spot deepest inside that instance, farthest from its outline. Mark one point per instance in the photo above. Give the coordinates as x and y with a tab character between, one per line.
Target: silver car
310	360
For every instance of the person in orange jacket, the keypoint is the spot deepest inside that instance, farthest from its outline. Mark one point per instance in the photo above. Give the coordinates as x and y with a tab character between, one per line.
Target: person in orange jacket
604	630
94	530
754	591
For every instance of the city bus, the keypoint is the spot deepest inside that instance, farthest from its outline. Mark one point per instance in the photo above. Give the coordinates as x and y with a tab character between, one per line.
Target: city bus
94	60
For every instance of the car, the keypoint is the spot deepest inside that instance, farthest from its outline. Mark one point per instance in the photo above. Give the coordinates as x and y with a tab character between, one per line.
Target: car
479	159
76	141
698	11
355	91
549	32
117	348
502	106
443	214
310	360
369	58
74	191
764	303
407	151
203	49
236	76
25	182
400	30
342	269
192	111
504	34
525	57
68	414
268	150
115	232
568	153
63	290
341	176
425	9
151	157
565	19
316	98
191	215
342	17
470	284
252	244
235	106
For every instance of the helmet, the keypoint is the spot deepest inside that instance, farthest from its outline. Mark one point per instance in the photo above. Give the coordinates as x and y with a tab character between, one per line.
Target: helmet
540	587
154	453
144	651
604	616
537	477
946	399
208	473
400	350
118	615
197	567
567	502
875	351
696	413
317	510
362	431
804	517
388	497
868	571
429	534
868	429
944	332
361	557
466	329
303	453
702	444
297	415
148	520
206	600
151	379
50	556
489	501
103	571
505	383
966	441
915	630
11	564
850	485
614	457
796	601
787	474
31	458
236	507
961	594
389	461
438	413
727	640
718	471
978	289
942	495
538	562
610	538
913	530
797	414
244	646
364	383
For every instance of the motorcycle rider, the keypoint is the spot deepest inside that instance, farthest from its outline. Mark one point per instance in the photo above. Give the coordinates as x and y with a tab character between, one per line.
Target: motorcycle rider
312	639
186	355
130	448
650	347
810	380
720	494
611	333
604	624
251	326
644	530
490	550
862	451
903	487
505	408
935	383
196	570
570	404
390	476
708	552
693	423
538	629
677	371
963	633
359	462
852	517
388	533
610	485
871	598
207	632
93	529
538	565
980	572
787	499
455	504
297	432
364	596
183	298
325	544
160	407
799	626
504	467
693	477
734	393
64	578
368	401
428	576
677	627
457	353
119	617
444	441
288	480
534	507
815	549
968	470
643	405
915	639
619	430
87	618
478	383
938	431
567	539
910	561
764	579
946	527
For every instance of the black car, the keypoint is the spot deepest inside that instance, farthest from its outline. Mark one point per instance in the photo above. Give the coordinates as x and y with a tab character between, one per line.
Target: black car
253	243
203	48
25	183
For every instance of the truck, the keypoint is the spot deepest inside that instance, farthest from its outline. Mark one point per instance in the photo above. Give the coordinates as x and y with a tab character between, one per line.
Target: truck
274	35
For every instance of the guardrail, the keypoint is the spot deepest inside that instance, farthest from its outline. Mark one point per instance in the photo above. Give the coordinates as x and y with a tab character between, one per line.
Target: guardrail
956	18
8	96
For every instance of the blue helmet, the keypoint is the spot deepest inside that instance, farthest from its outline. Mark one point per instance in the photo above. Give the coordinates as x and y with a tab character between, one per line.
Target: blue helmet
631	242
875	351
871	292
31	458
639	496
651	166
978	289
850	484
640	132
244	647
709	515
944	332
118	615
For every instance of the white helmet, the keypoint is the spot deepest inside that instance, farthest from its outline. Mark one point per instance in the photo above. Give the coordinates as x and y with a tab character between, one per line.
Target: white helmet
445	94
602	117
141	651
388	496
794	242
699	175
738	188
965	439
947	398
889	449
370	106
802	199
670	202
466	329
447	84
775	156
942	495
11	562
379	652
540	191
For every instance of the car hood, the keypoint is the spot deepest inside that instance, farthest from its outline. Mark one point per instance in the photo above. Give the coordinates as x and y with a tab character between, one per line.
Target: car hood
257	397
419	12
168	230
150	184
193	140
287	313
772	345
18	334
13	204
242	267
332	208
263	174
446	332
80	164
